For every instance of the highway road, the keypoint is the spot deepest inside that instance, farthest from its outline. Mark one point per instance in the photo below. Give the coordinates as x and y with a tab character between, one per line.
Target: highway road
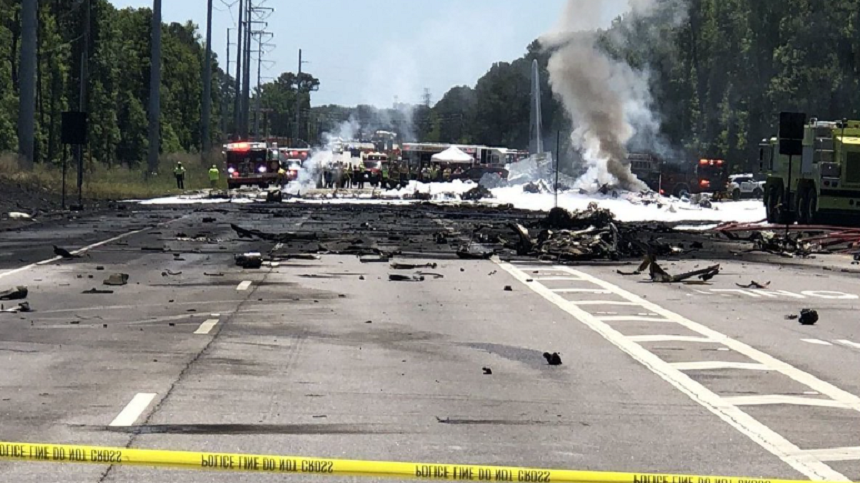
328	358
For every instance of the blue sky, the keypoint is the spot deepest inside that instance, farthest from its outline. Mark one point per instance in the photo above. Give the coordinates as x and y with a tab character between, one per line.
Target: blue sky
371	51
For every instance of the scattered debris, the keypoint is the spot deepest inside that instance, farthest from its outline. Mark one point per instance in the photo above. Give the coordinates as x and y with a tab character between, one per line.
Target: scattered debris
250	260
17	215
475	251
276	237
476	194
62	252
97	291
274	196
361	277
170	272
369	322
487	371
208	219
99	268
218	274
754	285
16	293
508	288
792	317
552	359
394	277
410	266
373	259
435	276
659	275
21	307
808	317
152	249
117	279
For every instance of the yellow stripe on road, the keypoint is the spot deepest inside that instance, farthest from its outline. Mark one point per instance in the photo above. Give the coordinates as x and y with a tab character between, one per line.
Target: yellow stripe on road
61	453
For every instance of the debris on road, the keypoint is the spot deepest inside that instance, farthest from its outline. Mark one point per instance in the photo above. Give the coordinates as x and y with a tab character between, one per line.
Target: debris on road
395	277
117	279
170	273
754	285
487	371
374	259
476	194
475	251
410	266
208	219
97	291
659	275
21	307
275	237
218	274
17	293
250	260
508	288
552	359
808	317
62	252
17	215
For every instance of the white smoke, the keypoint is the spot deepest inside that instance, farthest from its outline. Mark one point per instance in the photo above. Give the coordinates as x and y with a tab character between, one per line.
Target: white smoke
607	101
322	156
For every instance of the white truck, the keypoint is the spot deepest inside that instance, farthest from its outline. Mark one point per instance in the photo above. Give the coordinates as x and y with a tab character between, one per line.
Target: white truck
745	186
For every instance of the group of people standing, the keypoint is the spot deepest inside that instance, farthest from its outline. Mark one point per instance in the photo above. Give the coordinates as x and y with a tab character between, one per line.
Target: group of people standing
389	176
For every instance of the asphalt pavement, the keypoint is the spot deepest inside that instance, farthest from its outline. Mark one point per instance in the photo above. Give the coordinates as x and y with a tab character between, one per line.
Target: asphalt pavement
326	357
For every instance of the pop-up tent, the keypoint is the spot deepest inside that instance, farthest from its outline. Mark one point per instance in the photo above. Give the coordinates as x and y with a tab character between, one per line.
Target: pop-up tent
452	155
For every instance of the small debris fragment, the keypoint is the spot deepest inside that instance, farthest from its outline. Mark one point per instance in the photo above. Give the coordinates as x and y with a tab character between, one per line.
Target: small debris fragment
409	266
487	371
361	277
552	359
117	279
218	274
250	260
754	285
16	293
369	322
97	291
171	273
395	277
508	288
172	324
100	268
21	307
62	252
808	317
208	219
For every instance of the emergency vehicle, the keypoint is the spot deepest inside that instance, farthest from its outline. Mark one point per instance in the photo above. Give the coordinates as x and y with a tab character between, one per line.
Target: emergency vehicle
250	163
680	179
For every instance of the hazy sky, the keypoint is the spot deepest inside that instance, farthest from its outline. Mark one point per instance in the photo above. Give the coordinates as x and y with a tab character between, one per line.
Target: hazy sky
371	51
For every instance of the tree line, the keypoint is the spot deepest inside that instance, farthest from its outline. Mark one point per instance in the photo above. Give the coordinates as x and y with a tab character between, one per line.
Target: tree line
719	73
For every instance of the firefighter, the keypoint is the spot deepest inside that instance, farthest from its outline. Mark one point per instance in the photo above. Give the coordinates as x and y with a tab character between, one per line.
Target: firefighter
179	172
214	176
446	174
434	173
282	177
404	175
358	176
425	174
385	176
327	176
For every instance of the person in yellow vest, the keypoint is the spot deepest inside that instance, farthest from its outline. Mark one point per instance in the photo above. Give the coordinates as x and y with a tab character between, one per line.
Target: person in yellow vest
385	176
214	176
447	174
179	172
282	176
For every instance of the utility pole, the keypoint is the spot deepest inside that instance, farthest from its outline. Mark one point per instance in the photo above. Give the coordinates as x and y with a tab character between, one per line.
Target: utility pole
298	133
155	88
246	67
85	61
27	82
207	85
259	90
237	100
223	96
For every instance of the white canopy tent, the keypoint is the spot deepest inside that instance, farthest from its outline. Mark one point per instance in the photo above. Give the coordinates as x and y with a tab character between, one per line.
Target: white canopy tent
452	155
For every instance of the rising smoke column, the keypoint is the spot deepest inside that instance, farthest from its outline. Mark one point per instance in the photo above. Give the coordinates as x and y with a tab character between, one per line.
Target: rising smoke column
605	99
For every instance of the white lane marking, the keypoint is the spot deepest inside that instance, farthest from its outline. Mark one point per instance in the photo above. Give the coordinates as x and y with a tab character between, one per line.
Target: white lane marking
816	341
773	363
849	343
708	365
670	338
244	285
133	410
75	252
736	290
558	279
769	399
206	327
732	415
848	453
581	290
829	295
601	302
633	318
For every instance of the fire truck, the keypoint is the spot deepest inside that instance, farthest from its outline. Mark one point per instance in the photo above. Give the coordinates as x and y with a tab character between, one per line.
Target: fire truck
823	182
679	178
251	163
373	164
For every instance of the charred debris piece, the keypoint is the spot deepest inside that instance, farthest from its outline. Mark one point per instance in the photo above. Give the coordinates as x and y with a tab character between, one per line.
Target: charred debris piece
17	293
477	193
117	279
250	260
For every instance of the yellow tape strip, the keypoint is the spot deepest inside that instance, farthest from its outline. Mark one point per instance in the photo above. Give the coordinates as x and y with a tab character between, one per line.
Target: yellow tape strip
63	453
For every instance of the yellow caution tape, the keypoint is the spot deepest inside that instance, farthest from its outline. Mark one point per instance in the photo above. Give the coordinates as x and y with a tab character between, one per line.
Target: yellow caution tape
64	453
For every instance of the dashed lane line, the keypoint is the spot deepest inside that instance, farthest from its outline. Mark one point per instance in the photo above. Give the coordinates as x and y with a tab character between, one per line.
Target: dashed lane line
206	327
133	410
848	453
670	338
768	399
711	365
816	341
849	343
244	285
761	434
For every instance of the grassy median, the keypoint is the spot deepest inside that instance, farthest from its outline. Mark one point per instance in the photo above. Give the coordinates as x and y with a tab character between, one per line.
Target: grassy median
103	182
